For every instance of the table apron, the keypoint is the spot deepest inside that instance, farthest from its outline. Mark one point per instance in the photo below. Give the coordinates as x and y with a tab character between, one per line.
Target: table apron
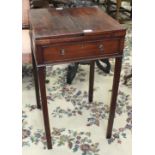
79	51
79	60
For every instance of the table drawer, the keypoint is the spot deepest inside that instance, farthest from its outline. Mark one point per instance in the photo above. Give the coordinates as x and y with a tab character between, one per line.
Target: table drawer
80	50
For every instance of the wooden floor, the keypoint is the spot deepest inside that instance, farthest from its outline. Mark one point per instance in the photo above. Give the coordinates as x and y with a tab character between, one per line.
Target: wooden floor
26	47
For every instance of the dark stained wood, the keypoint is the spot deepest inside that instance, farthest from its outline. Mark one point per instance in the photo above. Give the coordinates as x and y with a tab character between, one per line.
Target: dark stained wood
83	50
91	80
118	63
78	38
36	82
50	23
41	76
58	37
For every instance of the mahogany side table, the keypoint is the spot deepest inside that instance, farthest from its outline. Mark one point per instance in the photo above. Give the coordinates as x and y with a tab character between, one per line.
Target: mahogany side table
74	35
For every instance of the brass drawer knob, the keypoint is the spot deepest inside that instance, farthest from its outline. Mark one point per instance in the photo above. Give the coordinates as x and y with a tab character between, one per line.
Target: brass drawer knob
62	52
101	48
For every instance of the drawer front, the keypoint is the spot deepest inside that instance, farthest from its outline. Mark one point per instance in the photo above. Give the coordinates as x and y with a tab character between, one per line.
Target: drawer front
80	50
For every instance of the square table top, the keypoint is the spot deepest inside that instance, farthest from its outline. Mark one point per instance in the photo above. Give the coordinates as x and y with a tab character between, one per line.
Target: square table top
52	22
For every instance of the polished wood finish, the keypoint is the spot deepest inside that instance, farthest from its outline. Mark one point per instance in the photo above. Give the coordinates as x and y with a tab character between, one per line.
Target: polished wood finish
127	77
36	82
118	63
84	50
42	75
91	80
75	35
51	23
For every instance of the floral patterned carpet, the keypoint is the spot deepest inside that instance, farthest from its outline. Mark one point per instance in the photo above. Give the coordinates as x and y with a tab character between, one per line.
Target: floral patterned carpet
77	127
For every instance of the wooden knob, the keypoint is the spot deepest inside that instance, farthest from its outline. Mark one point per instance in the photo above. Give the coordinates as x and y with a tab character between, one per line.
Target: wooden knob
101	47
62	52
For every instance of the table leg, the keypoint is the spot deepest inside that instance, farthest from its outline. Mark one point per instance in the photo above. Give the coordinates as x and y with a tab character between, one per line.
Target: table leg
118	5
36	82
118	63
91	80
108	6
41	73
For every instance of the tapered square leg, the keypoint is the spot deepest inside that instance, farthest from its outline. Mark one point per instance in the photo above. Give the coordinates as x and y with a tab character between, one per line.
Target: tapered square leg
36	82
116	79
91	80
41	74
108	6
